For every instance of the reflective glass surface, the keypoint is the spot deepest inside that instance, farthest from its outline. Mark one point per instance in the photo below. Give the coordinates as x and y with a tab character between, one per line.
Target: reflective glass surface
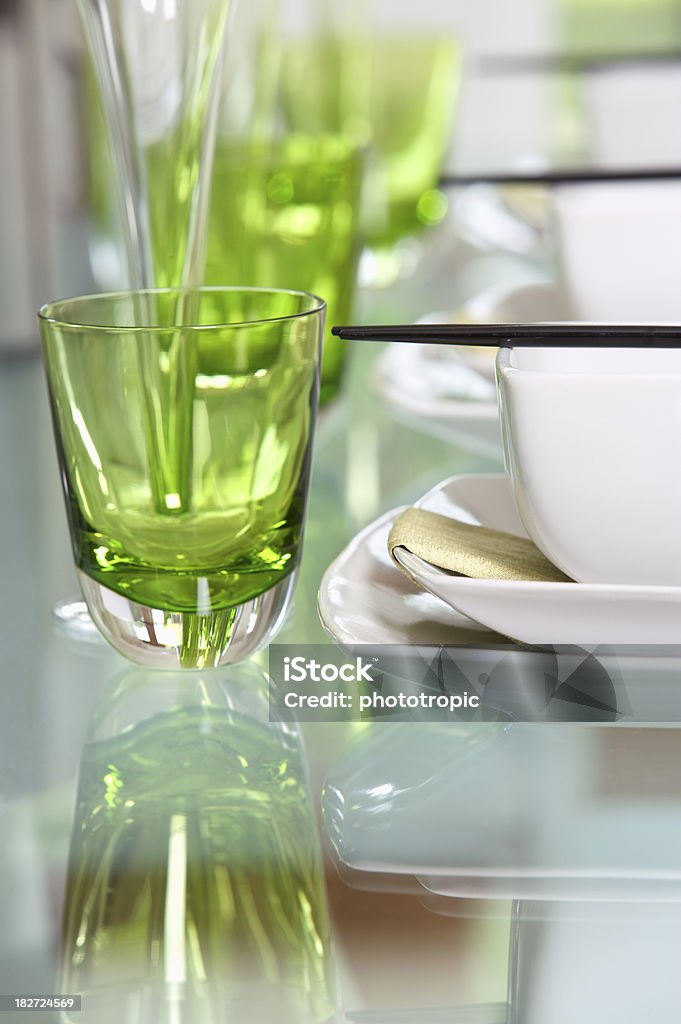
466	839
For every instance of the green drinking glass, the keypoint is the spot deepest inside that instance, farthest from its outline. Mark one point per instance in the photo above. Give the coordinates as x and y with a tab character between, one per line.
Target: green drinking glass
184	423
284	213
395	94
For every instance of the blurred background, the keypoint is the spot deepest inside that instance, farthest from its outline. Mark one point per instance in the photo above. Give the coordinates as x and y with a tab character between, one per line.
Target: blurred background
539	84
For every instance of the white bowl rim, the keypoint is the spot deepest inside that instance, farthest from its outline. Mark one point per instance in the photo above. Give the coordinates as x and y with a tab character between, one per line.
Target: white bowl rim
610	363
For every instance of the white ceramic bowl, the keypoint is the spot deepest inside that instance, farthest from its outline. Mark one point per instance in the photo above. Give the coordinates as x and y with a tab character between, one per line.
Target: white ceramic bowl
619	250
628	111
591	441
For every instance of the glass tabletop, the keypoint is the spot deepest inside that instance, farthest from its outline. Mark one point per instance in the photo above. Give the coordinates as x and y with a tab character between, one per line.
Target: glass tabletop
470	849
56	688
371	456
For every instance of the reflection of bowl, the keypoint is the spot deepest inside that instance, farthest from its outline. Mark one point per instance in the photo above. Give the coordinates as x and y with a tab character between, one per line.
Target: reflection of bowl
589	436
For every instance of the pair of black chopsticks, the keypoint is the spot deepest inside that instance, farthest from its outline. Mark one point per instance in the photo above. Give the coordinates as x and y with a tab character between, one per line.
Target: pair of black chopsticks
559	176
533	335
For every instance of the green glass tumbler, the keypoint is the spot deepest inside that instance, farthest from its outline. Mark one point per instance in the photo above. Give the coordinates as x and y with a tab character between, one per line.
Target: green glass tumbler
184	423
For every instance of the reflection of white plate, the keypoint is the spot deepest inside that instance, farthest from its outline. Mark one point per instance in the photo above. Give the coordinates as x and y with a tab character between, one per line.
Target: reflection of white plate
505	812
365	599
540	613
482	1013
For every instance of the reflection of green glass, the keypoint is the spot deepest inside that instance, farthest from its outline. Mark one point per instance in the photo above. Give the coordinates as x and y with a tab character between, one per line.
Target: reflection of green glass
195	877
284	214
394	94
185	450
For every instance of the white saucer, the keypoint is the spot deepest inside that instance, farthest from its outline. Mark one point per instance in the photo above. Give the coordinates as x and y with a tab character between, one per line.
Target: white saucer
435	388
454	389
364	599
503	220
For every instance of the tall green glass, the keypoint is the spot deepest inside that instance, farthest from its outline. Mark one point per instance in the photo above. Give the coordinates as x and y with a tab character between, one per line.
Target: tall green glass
184	423
284	213
396	95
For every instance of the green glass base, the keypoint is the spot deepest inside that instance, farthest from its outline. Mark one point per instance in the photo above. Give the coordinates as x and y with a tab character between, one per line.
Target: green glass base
163	639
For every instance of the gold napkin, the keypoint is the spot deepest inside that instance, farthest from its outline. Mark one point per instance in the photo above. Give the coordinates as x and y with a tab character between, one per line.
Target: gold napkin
470	550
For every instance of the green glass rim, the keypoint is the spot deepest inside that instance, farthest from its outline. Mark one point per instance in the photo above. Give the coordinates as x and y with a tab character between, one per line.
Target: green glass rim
49	312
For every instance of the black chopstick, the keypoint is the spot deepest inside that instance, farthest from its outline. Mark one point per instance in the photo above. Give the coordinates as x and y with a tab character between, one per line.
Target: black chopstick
558	176
522	63
539	335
